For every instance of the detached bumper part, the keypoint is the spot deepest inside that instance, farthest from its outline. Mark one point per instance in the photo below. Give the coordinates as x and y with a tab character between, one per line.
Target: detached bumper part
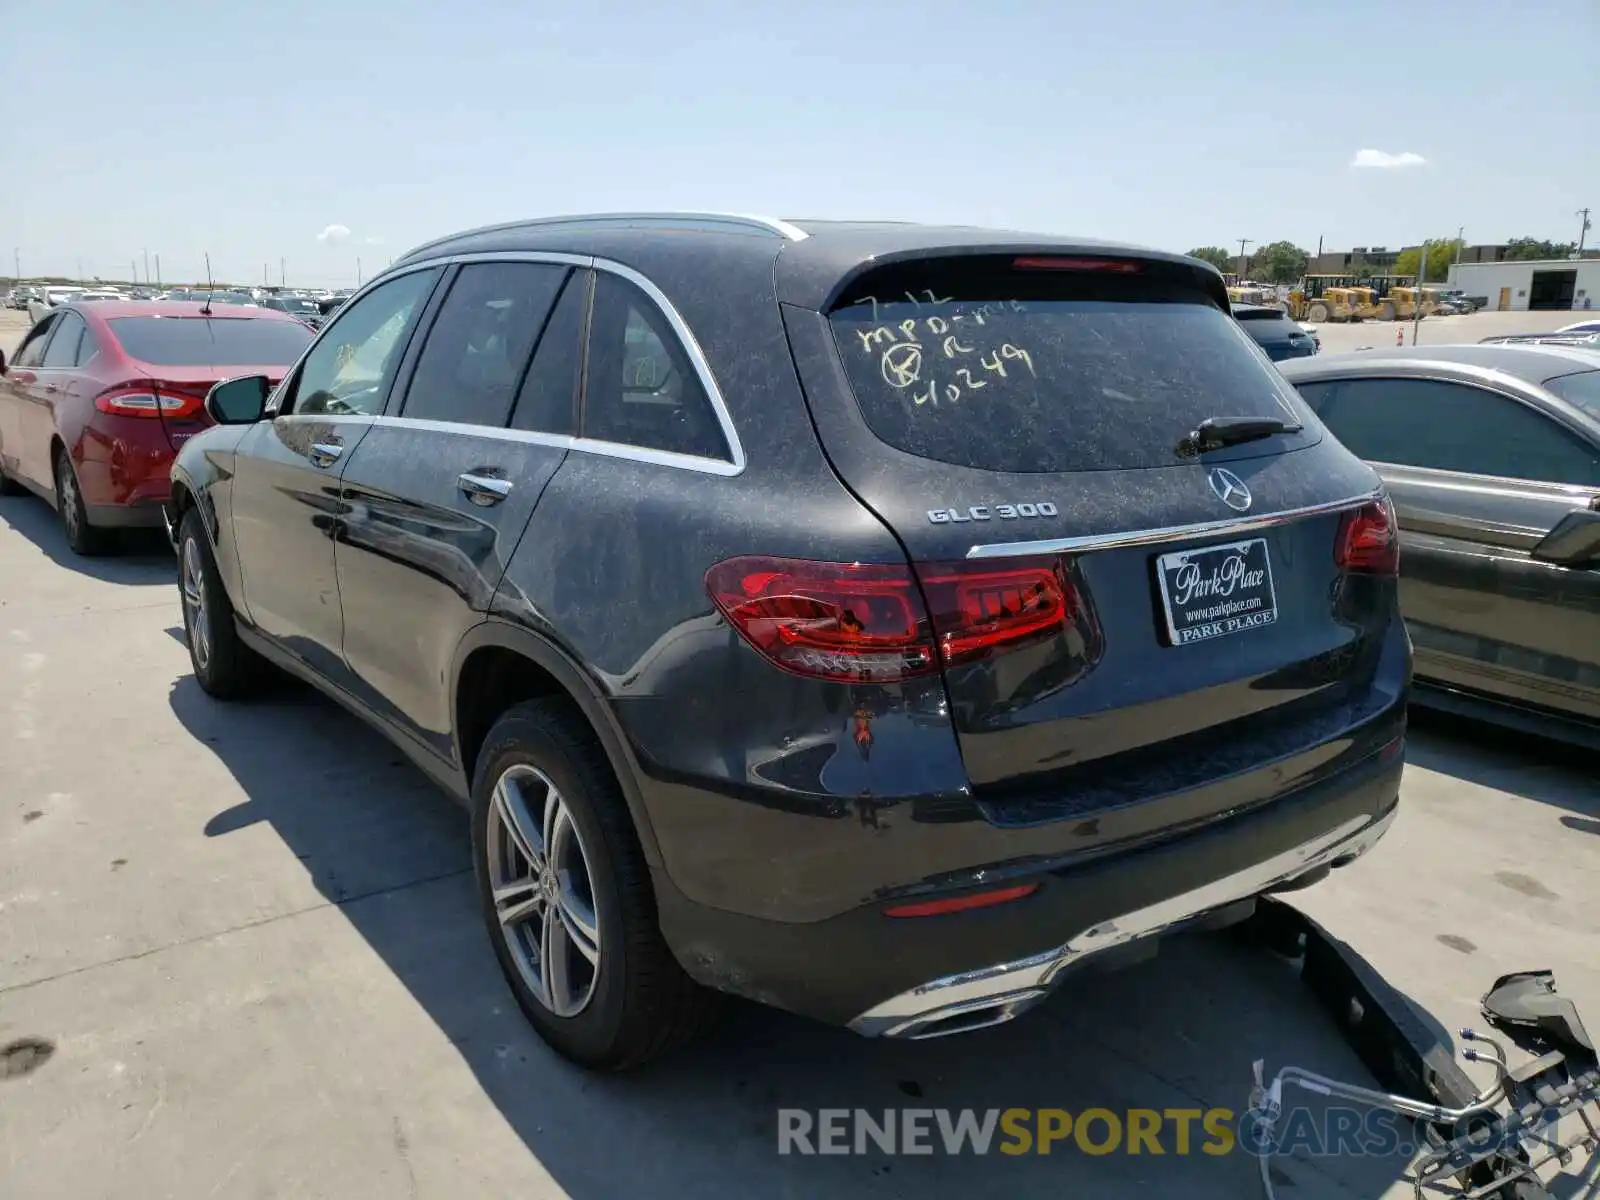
991	995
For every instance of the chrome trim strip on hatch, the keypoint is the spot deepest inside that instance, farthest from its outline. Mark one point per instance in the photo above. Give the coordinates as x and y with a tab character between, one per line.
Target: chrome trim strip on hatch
1169	533
989	995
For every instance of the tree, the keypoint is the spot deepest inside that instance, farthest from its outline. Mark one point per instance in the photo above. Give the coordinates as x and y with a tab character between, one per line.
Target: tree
1526	249
1281	262
1215	255
1441	253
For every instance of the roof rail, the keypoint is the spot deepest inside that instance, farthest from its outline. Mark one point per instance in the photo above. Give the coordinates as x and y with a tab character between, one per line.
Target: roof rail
771	225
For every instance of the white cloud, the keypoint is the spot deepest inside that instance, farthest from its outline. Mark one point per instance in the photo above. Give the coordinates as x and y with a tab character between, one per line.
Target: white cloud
334	233
1382	158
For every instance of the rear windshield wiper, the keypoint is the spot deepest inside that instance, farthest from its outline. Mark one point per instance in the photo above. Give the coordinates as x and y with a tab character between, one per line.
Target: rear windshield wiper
1216	432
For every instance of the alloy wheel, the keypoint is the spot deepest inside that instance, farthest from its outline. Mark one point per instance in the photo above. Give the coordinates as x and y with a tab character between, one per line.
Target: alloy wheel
67	495
542	884
194	604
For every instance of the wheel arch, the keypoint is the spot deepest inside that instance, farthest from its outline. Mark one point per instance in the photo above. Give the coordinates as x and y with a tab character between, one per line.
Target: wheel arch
498	664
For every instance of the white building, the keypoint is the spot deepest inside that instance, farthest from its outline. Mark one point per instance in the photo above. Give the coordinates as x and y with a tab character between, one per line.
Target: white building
1518	286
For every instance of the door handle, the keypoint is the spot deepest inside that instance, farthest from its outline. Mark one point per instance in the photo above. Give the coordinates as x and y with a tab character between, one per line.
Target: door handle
325	454
483	490
50	387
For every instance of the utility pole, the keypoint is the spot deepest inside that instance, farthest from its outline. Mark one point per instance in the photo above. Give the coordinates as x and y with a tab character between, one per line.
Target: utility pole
283	273
1243	242
358	270
158	270
133	268
80	270
16	261
1416	293
1582	229
147	266
1461	242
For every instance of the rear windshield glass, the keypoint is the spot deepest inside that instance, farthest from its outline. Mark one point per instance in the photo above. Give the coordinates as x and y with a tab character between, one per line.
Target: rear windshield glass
1582	389
198	342
1259	314
1005	370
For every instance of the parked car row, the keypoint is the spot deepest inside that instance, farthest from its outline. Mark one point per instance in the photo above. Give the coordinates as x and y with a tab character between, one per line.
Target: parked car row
876	620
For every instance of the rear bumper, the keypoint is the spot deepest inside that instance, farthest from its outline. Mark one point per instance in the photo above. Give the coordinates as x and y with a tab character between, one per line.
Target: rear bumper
922	977
142	514
990	995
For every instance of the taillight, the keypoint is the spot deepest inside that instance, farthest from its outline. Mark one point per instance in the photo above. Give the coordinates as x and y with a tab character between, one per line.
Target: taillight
851	622
867	623
142	400
1369	540
979	610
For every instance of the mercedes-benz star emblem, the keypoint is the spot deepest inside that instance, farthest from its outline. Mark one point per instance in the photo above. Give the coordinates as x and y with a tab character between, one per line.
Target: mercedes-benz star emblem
1230	489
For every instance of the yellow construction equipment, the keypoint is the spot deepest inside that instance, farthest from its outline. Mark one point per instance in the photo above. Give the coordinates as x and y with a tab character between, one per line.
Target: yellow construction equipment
1401	303
1322	298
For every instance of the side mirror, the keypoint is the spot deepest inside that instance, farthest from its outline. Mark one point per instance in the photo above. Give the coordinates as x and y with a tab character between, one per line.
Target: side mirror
1575	541
238	401
3	367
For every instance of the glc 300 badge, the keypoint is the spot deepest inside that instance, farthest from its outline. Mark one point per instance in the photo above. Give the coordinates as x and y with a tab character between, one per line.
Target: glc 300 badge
991	512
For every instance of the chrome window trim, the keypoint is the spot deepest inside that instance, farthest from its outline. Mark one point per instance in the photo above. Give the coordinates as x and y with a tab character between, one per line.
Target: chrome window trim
1168	533
733	465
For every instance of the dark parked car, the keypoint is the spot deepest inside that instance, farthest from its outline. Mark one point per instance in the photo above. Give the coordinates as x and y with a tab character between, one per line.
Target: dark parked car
1274	332
302	307
100	395
1492	456
874	620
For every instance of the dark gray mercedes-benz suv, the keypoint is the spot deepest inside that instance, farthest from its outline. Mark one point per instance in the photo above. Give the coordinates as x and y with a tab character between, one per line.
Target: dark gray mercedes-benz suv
874	620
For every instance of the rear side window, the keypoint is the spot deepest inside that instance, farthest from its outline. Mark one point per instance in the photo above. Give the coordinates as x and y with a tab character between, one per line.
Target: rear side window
479	345
981	365
1453	427
1582	390
204	342
641	389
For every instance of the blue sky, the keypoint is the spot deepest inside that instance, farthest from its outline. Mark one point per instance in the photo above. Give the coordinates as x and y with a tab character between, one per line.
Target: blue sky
250	129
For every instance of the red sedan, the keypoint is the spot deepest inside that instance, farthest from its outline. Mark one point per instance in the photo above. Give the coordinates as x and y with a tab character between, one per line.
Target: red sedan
100	396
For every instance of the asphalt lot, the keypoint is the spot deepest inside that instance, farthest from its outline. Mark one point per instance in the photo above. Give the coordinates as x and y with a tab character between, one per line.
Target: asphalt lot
249	934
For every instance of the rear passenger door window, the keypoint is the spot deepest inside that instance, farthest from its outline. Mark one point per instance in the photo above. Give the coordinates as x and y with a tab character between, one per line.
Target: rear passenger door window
478	348
641	389
548	400
62	353
1454	427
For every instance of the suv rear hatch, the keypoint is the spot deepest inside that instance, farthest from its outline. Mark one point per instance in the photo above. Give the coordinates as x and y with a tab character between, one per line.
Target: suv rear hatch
1124	612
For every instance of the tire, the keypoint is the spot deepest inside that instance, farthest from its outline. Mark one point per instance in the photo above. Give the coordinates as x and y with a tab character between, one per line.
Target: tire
224	666
1317	313
84	539
592	903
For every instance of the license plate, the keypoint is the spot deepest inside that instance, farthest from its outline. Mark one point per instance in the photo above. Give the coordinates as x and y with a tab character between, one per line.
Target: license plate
1216	590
